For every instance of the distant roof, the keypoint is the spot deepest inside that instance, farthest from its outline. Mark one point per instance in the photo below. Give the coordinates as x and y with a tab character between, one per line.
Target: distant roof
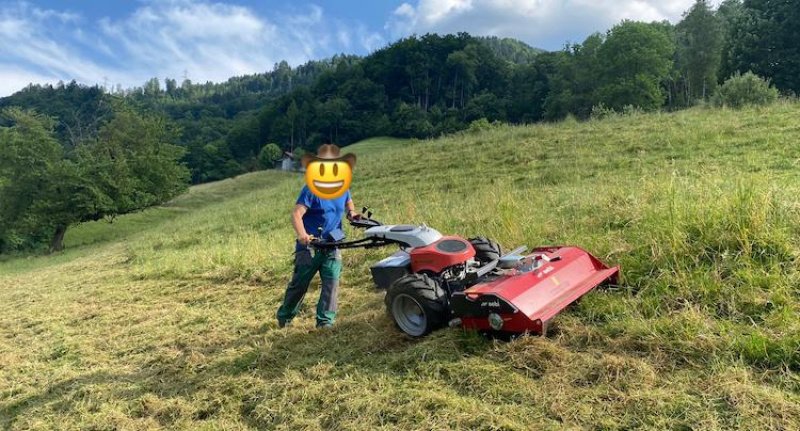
288	154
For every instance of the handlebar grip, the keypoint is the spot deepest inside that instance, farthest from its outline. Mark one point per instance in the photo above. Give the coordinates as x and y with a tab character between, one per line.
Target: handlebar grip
317	243
364	223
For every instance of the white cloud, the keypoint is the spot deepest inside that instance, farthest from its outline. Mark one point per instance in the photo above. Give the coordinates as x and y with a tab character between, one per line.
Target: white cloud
13	79
405	10
344	37
30	48
358	37
64	17
210	41
370	41
433	11
206	39
543	23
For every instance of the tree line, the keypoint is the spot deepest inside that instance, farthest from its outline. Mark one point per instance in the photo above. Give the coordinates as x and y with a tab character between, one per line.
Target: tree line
431	85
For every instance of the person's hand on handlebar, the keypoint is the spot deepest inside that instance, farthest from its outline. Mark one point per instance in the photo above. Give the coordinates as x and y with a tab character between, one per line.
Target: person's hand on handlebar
353	215
304	238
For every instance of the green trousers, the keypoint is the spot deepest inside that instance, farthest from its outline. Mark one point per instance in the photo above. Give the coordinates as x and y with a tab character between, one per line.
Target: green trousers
329	265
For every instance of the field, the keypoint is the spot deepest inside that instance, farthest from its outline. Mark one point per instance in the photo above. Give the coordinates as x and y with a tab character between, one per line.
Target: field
165	319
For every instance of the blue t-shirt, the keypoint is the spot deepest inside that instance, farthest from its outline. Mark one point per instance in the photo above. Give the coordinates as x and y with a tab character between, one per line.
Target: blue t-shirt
324	213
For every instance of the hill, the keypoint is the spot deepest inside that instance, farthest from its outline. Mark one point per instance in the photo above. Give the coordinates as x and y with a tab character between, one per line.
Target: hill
433	85
164	319
346	98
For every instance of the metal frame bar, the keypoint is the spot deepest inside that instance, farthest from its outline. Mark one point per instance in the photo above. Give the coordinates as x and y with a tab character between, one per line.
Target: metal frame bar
489	267
359	243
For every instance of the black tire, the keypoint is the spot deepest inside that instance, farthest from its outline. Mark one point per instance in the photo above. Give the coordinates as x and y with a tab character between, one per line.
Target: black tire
486	250
417	304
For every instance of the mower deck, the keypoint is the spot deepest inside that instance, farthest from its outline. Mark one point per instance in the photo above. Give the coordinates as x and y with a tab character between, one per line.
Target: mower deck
527	300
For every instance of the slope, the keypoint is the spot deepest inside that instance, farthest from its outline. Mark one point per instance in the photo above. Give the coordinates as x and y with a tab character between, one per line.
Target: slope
165	318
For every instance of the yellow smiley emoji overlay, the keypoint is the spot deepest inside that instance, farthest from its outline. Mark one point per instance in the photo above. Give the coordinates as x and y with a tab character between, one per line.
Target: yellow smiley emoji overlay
328	175
328	180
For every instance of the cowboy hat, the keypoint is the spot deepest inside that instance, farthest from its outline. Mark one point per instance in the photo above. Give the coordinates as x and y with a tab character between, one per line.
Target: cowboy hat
328	153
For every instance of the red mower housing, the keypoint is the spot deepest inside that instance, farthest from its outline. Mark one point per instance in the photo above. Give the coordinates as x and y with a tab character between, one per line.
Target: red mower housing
523	301
440	255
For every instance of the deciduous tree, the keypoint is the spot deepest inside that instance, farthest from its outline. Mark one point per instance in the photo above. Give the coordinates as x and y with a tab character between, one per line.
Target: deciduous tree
699	50
130	165
764	40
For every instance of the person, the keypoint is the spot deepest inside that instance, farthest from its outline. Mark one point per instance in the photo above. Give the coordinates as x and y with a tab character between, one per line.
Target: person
316	217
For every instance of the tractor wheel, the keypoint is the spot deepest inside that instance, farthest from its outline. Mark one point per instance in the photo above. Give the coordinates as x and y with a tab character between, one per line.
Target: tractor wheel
416	303
486	250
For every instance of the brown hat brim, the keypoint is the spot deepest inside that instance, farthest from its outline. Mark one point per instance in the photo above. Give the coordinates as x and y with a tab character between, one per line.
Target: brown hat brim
348	158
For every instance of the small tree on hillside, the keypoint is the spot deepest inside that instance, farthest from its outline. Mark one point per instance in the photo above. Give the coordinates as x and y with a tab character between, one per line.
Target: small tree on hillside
130	166
269	154
292	112
136	161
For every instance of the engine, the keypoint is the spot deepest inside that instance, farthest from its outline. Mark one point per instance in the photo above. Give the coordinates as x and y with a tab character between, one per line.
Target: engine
447	252
445	257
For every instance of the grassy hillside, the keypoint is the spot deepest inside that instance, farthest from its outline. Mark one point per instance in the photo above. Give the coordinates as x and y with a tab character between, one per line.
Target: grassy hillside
164	319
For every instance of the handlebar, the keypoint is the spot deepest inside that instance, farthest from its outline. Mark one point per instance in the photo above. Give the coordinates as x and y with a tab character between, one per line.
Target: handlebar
359	243
364	223
364	220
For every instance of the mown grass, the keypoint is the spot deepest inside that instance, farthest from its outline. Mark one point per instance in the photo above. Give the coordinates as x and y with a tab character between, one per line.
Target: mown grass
164	319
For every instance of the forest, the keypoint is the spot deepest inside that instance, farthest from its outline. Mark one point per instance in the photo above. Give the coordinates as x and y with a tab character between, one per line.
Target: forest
421	87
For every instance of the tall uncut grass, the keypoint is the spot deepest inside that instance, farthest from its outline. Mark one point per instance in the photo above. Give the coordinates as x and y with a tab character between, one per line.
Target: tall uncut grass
164	319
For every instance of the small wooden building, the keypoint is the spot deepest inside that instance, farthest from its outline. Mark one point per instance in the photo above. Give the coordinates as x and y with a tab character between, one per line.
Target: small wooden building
287	163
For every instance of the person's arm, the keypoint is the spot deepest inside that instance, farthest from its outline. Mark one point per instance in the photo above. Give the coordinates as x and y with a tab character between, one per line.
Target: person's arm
351	210
297	222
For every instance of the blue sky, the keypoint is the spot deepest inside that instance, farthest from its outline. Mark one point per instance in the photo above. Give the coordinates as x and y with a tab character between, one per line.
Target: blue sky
127	42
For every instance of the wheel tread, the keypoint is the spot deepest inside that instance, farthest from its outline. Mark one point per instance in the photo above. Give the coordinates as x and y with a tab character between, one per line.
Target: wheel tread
427	291
486	249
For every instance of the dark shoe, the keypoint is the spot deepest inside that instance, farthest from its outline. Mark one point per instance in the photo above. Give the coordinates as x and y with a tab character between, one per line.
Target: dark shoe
324	325
284	324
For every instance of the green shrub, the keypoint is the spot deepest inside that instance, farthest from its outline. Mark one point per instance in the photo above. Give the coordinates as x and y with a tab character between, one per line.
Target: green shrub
630	110
743	90
298	153
601	111
269	155
480	125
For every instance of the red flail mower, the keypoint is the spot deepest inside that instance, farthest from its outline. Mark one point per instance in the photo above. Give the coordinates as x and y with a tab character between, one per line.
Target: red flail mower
434	281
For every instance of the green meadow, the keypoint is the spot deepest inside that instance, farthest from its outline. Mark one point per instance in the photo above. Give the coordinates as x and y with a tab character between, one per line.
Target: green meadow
164	319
